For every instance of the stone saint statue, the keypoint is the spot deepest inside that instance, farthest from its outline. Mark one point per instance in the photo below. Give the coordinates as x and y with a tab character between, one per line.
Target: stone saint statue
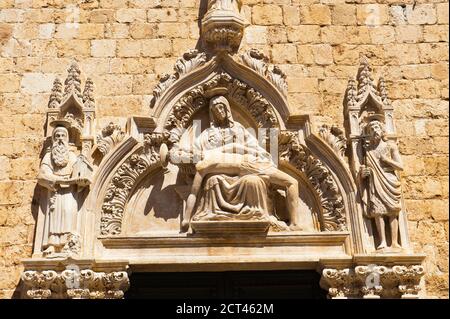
60	237
228	5
234	173
381	185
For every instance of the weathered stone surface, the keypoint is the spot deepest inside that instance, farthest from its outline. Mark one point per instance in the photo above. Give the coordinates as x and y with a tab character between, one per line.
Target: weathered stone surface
126	45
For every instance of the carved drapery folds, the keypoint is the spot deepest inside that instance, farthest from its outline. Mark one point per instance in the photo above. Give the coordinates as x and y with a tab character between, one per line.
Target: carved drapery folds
75	284
300	157
327	165
375	160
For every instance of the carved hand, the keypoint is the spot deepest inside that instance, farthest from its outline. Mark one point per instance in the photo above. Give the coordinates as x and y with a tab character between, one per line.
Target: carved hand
82	182
365	171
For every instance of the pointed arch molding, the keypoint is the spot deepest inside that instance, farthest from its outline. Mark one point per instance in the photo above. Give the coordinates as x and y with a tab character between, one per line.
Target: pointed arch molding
181	95
172	88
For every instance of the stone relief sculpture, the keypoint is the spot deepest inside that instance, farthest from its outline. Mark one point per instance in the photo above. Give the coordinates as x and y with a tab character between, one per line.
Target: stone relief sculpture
381	187
231	5
59	175
122	196
235	173
375	159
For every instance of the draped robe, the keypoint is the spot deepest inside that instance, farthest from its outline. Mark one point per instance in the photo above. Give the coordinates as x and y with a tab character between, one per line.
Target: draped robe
62	208
248	189
383	196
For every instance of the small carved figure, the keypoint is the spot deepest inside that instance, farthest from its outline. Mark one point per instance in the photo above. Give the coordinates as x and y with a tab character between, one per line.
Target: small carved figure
381	184
233	5
56	174
234	172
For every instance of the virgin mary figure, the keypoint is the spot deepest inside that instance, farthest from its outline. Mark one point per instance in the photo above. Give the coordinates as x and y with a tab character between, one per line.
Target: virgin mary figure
234	173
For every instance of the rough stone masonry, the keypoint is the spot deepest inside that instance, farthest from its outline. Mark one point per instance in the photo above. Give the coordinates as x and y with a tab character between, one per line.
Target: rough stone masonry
124	46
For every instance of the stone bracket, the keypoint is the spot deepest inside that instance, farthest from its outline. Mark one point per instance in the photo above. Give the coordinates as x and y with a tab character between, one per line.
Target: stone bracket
386	280
74	279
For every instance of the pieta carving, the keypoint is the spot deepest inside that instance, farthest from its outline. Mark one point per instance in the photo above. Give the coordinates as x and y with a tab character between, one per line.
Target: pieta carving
234	173
220	175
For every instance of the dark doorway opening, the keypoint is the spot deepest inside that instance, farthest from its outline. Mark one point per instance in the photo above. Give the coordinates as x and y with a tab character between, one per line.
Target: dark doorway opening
284	284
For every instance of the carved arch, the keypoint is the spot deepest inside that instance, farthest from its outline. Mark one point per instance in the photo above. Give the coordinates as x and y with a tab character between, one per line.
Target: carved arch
299	157
140	161
177	86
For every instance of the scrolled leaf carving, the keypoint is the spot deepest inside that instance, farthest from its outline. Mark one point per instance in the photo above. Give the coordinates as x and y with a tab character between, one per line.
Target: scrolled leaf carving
190	61
110	136
124	180
239	93
257	61
299	156
335	138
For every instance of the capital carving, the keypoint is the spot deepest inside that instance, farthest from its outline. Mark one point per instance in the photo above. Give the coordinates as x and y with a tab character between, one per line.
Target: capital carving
75	284
338	282
409	280
38	283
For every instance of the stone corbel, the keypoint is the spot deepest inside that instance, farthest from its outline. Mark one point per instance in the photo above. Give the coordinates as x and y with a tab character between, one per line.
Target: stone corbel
370	280
409	280
338	282
38	283
75	284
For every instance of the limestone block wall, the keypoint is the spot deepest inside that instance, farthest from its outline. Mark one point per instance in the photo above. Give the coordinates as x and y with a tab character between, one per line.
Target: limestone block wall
124	45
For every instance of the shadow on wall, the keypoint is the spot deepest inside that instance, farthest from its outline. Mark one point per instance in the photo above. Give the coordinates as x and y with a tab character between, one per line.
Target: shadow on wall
201	13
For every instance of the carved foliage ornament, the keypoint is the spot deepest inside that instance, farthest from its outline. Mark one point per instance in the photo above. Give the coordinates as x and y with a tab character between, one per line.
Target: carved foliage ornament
110	136
75	284
335	138
257	61
184	65
238	92
125	179
299	156
373	281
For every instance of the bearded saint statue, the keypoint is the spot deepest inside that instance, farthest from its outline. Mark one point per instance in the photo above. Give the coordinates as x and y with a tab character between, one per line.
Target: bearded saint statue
381	186
60	236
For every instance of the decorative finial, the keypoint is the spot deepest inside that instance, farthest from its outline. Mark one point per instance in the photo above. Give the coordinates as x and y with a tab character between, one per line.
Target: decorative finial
73	81
88	94
56	95
383	92
365	79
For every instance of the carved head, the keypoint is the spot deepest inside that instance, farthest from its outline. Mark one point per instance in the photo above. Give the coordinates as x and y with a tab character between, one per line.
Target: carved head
375	129
60	135
60	146
220	112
